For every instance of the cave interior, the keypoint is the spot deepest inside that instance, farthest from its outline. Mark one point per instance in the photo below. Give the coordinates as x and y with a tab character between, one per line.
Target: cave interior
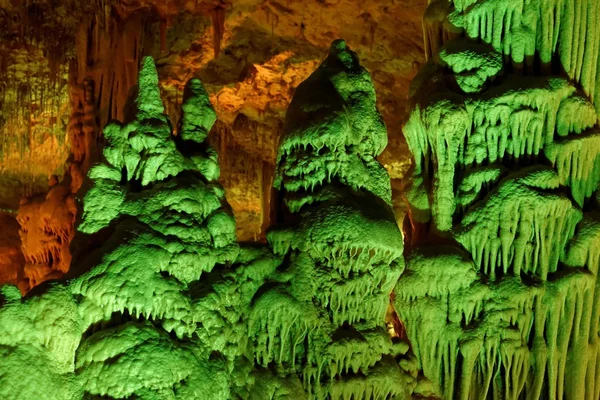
281	199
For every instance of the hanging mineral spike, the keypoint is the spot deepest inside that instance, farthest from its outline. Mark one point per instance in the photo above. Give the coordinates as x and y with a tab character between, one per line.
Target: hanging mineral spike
500	295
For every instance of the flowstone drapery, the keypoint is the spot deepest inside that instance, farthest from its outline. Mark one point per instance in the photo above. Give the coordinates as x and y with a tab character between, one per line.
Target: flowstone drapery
500	295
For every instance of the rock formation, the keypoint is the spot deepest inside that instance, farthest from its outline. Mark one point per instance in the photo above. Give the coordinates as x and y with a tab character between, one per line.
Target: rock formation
170	306
159	196
46	230
491	295
499	296
49	48
169	224
322	322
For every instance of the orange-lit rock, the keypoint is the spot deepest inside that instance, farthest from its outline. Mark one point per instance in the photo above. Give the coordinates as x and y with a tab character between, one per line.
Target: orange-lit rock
46	232
11	258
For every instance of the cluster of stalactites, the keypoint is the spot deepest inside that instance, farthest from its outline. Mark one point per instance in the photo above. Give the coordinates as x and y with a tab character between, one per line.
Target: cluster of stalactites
519	119
297	337
33	97
46	230
327	322
566	30
521	226
504	166
465	330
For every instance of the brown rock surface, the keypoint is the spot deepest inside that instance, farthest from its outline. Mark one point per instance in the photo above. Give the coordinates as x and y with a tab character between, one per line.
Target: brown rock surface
46	229
11	258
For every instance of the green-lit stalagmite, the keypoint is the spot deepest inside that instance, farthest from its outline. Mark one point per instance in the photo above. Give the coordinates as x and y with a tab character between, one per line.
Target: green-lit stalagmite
321	323
170	227
500	294
129	325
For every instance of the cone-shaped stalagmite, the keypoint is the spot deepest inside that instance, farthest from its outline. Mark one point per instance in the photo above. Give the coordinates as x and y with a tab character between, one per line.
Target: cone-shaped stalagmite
171	225
128	326
323	324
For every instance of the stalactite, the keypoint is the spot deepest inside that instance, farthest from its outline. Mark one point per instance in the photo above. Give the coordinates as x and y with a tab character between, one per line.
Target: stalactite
520	226
577	161
566	29
510	121
218	24
31	97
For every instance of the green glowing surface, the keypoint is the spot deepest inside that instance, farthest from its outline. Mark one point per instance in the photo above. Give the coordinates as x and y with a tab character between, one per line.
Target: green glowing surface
498	295
505	175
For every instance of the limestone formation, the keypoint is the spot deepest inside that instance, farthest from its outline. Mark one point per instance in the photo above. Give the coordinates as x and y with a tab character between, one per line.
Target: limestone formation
170	306
49	48
323	322
171	226
491	293
46	230
499	296
106	331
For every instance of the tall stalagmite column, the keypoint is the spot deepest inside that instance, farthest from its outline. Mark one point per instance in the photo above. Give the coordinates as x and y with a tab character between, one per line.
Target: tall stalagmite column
130	318
500	296
170	224
323	323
